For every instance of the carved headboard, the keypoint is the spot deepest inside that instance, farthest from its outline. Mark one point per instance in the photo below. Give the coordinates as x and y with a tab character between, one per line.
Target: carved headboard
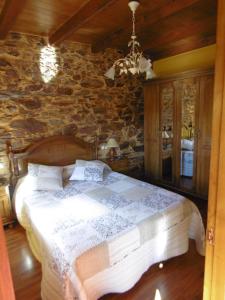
52	151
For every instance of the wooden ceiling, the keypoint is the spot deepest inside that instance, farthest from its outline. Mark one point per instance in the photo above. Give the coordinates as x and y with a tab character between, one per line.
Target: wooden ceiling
164	27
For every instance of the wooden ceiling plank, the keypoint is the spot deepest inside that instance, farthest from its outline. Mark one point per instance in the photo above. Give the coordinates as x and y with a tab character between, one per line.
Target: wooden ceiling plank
88	11
182	45
10	12
147	20
198	27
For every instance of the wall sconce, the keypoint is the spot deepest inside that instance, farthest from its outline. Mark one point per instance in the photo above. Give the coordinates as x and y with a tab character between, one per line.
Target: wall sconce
112	145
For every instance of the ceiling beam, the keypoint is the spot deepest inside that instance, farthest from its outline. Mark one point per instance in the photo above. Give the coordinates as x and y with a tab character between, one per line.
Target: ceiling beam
121	35
87	12
10	12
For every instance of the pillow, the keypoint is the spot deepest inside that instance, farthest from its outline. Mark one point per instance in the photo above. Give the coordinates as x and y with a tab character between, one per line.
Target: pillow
45	178
88	170
81	162
99	162
67	171
187	144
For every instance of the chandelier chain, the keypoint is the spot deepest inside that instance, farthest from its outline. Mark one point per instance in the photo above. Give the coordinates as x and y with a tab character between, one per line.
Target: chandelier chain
134	20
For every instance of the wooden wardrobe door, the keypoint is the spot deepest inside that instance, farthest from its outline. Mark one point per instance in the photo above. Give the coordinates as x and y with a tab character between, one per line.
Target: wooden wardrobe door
167	131
187	97
151	129
205	106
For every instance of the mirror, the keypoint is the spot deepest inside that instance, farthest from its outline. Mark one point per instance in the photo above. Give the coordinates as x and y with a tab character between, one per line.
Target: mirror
187	136
167	105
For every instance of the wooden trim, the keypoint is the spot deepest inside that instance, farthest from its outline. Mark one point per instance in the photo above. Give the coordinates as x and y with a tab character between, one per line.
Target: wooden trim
214	287
196	133
6	284
177	131
10	12
152	133
160	133
87	12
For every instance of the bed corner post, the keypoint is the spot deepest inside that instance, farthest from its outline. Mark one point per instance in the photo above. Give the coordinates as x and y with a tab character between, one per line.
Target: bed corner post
13	165
96	146
9	154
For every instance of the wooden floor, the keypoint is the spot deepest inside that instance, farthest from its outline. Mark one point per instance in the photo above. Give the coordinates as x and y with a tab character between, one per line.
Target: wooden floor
180	279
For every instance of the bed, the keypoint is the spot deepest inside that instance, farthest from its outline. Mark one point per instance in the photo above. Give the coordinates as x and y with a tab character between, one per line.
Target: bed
95	238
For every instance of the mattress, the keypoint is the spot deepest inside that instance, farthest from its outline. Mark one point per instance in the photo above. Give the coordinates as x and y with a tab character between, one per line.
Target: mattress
96	238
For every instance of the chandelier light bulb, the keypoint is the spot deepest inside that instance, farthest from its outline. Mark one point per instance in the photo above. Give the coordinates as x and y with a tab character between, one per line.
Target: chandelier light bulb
111	73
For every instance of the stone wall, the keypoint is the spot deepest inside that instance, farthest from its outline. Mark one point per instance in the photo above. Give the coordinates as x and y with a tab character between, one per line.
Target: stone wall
77	101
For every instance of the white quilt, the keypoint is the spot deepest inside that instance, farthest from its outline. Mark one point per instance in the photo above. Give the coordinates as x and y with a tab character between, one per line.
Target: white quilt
90	227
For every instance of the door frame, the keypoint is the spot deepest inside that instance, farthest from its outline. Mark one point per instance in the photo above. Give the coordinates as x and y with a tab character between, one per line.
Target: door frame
6	283
214	281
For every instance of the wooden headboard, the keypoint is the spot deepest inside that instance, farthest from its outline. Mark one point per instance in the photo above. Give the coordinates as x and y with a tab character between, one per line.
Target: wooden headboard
52	151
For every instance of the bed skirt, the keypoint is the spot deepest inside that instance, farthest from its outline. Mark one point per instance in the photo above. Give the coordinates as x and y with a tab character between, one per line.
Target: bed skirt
124	275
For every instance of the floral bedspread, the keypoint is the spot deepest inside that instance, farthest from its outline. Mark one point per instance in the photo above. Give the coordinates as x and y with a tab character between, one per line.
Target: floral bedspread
88	220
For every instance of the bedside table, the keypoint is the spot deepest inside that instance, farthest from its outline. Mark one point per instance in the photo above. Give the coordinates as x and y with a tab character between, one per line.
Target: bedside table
5	206
119	164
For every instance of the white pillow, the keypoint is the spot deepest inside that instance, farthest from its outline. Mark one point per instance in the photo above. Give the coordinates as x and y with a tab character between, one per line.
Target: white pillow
46	178
88	170
81	162
68	171
106	167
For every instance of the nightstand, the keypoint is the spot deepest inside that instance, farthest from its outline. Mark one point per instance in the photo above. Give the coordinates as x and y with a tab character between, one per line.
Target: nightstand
119	164
5	206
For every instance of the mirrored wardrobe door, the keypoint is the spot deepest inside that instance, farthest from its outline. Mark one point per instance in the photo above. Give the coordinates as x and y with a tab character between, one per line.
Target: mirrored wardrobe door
166	131
190	92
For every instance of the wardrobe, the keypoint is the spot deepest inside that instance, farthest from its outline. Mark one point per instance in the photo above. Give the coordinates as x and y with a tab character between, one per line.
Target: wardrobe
177	128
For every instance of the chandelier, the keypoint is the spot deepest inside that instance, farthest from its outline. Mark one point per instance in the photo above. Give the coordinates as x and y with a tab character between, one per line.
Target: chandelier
134	62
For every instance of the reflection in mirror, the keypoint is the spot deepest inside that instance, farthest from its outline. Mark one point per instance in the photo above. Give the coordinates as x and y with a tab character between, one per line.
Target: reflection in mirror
187	137
167	132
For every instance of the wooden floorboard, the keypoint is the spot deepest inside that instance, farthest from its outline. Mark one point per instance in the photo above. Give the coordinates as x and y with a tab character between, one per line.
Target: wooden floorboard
180	279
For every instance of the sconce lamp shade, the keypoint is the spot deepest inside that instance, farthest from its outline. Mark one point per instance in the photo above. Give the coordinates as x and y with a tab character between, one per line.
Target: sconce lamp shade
112	143
111	73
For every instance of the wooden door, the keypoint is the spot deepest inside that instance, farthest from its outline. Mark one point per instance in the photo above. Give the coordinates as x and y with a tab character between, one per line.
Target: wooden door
205	106
6	286
151	131
214	283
